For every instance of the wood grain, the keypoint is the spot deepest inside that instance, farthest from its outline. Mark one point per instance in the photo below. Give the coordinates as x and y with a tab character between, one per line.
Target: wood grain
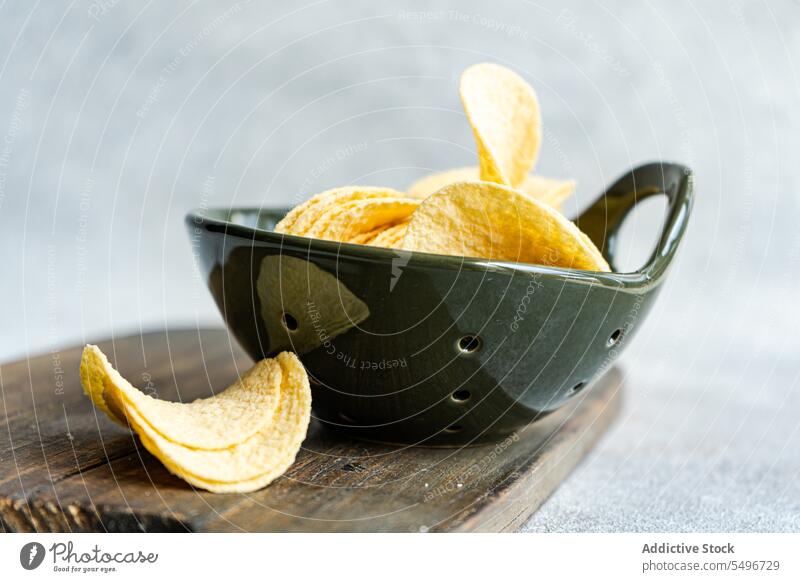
66	468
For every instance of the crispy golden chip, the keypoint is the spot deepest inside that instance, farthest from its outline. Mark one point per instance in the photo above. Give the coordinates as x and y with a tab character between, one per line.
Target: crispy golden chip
302	217
392	237
551	191
387	235
596	254
249	465
487	220
365	238
216	486
246	466
504	113
93	381
506	122
218	422
346	220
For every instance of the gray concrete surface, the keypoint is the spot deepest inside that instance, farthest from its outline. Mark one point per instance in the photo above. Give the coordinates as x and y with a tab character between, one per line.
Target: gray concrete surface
116	117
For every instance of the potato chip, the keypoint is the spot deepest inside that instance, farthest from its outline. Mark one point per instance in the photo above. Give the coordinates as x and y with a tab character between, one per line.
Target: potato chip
245	466
383	236
598	256
365	238
548	190
218	422
391	237
346	220
253	463
506	122
551	191
302	217
504	113
245	486
92	380
487	220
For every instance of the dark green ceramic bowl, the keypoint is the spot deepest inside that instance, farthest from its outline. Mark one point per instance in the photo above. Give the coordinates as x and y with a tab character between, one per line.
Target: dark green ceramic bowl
416	348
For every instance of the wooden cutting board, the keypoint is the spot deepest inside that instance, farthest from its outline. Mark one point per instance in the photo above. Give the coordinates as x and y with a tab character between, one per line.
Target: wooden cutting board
64	467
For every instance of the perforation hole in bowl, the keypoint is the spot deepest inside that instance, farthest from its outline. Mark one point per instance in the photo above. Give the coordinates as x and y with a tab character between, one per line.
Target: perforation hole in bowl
454	428
469	344
461	396
578	387
289	322
614	338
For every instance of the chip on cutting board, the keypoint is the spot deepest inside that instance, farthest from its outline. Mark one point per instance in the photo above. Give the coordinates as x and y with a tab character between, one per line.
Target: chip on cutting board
253	463
228	418
506	121
246	465
551	191
487	220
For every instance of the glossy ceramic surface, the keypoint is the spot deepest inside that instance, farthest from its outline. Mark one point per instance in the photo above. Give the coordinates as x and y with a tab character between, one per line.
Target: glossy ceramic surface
414	348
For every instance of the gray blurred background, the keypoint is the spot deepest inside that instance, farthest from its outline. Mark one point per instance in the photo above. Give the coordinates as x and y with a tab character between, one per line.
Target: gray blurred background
116	117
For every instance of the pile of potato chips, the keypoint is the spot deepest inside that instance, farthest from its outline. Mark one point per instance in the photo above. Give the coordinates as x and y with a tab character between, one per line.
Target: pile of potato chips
236	441
498	210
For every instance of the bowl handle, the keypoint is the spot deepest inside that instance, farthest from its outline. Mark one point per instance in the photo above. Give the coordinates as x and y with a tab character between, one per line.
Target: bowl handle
603	219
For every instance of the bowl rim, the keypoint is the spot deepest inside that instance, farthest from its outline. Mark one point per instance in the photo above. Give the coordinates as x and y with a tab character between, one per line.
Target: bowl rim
218	220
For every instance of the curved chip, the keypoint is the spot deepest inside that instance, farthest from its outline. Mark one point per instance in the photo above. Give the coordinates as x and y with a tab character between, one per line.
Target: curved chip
386	236
506	122
551	191
487	220
344	221
365	238
218	422
392	237
249	465
303	216
94	380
